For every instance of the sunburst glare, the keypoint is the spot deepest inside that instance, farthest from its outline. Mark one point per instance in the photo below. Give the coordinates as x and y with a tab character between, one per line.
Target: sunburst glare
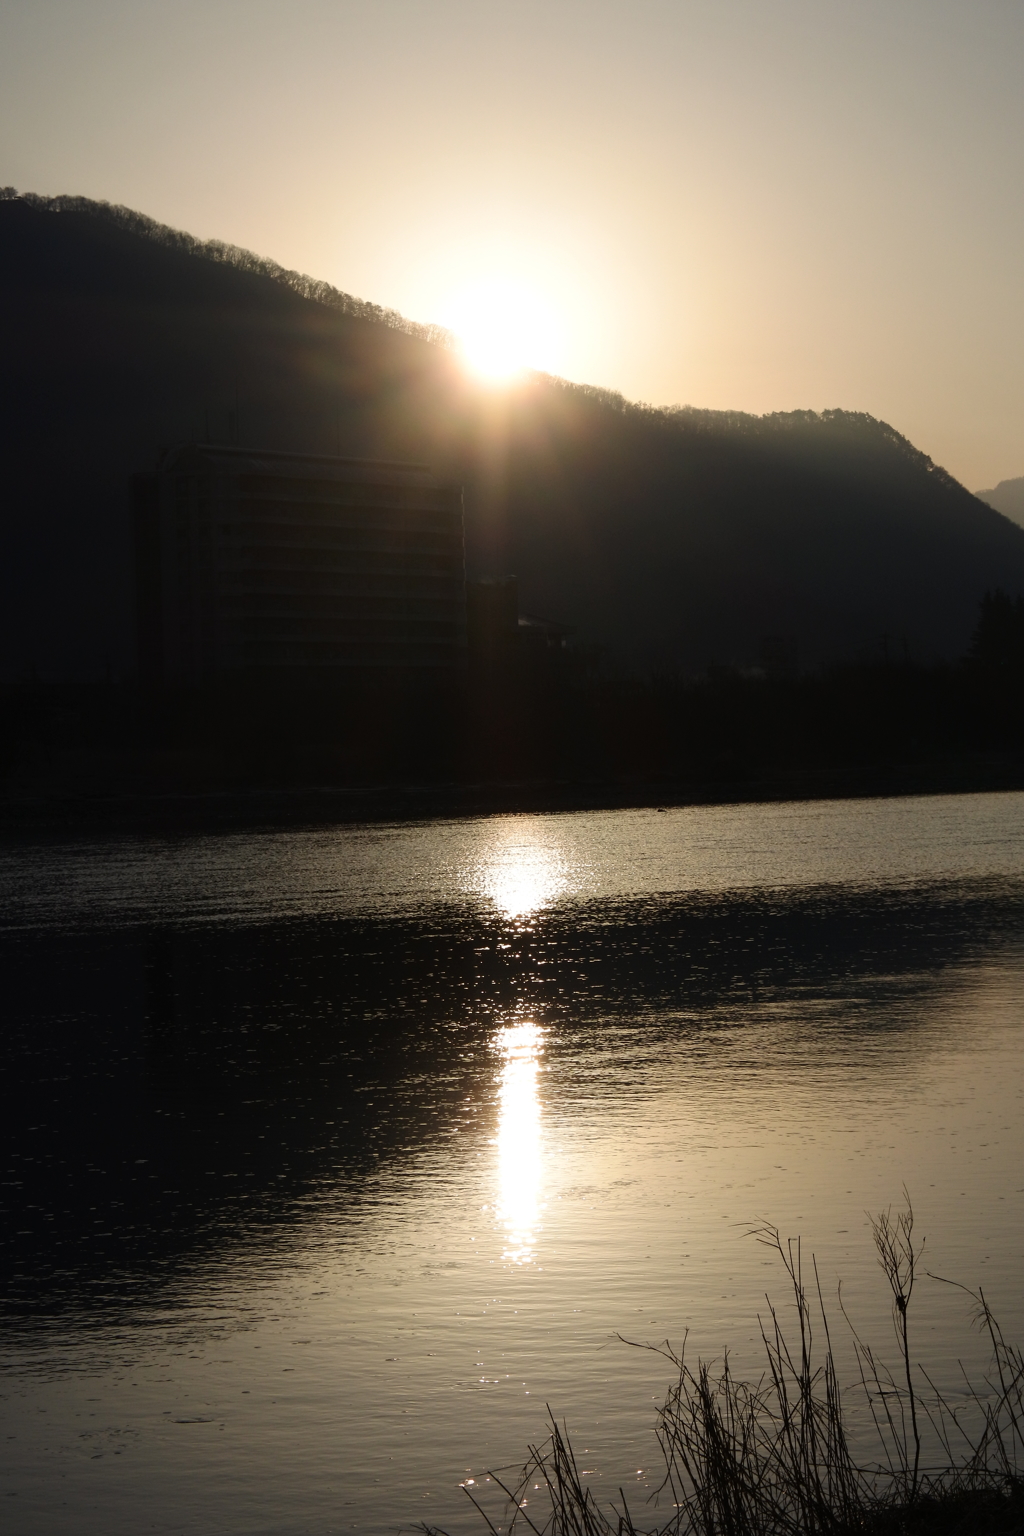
504	327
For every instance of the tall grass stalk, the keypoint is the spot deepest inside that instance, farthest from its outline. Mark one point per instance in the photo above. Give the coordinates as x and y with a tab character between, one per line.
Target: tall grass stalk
772	1457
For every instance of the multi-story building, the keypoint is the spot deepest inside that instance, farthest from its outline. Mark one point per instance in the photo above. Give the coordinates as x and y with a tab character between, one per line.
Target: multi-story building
284	564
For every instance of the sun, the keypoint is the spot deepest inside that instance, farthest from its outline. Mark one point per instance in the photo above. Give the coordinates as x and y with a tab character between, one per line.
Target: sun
504	327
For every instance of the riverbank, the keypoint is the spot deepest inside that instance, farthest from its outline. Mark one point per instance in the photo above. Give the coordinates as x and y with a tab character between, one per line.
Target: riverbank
403	747
199	791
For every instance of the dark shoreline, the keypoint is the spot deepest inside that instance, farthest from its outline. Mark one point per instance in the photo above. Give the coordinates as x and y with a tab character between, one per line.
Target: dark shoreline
69	810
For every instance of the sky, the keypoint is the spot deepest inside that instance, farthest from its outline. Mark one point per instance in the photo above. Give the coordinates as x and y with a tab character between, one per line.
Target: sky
735	204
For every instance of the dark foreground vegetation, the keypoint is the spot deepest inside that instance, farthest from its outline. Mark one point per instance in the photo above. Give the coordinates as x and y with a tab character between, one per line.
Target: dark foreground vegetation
773	1457
544	729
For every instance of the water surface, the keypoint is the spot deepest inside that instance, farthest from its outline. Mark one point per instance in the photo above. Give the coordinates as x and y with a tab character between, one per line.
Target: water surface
335	1155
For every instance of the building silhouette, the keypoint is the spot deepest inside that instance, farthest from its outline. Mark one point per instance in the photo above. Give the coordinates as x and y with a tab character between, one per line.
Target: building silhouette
503	641
254	562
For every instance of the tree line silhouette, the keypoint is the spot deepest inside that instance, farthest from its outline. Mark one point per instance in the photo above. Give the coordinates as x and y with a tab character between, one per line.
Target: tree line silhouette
128	221
556	717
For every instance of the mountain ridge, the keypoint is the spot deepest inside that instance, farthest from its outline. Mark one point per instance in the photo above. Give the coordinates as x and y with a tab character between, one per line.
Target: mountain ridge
319	291
669	537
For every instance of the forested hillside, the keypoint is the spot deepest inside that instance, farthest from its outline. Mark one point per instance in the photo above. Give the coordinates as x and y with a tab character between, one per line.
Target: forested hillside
671	539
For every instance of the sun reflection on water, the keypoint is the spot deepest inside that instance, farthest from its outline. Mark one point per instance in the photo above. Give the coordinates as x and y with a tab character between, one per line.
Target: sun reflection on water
524	872
520	1047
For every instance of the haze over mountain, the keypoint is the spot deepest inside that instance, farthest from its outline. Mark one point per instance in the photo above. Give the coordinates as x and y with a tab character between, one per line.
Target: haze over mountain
1008	498
670	538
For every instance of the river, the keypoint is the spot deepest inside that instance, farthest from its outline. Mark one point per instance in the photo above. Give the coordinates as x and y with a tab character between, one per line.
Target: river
334	1156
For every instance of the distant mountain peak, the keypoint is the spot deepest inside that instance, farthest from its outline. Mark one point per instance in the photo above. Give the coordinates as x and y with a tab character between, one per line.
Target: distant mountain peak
1007	497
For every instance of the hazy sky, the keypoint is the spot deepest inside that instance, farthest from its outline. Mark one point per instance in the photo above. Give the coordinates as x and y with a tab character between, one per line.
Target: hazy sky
728	203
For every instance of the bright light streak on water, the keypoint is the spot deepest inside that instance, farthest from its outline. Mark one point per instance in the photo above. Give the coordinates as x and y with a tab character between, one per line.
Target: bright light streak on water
516	865
521	874
520	1158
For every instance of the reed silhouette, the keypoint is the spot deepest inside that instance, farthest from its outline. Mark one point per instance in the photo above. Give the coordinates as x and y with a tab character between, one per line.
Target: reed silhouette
773	1457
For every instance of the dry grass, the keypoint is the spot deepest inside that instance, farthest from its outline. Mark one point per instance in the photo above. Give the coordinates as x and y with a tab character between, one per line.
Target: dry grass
772	1457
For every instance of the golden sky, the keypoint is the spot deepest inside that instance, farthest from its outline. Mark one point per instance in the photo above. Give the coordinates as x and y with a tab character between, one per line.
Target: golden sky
727	203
